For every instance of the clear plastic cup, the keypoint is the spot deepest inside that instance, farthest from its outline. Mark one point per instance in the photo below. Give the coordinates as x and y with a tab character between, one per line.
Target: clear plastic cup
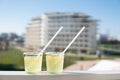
54	61
32	63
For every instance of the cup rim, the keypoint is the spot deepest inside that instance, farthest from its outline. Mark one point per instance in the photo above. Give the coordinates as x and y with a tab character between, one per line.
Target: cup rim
54	53
31	53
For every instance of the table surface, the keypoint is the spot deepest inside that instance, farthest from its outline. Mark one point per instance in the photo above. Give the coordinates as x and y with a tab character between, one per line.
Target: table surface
69	75
63	73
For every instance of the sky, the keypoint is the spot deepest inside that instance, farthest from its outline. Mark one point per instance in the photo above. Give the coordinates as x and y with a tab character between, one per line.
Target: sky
16	14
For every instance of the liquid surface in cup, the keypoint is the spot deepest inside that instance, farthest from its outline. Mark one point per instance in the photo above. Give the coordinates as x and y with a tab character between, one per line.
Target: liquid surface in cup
55	63
33	64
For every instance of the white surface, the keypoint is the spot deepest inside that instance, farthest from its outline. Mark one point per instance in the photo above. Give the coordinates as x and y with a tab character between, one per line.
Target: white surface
105	65
74	75
64	73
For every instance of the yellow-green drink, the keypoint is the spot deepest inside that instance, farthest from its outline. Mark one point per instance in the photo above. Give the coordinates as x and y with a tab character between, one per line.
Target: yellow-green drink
54	62
32	62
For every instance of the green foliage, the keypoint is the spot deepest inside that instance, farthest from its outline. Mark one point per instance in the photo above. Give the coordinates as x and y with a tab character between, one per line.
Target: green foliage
68	61
112	56
81	58
44	62
110	46
71	59
15	57
12	56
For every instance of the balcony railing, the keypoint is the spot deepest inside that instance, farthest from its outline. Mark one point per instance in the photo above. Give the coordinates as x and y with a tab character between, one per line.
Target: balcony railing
76	75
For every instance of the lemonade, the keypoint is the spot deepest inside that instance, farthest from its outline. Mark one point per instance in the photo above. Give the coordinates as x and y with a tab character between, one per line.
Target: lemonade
32	63
54	62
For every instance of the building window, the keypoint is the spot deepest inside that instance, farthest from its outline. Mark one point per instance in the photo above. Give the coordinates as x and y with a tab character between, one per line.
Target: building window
81	45
86	35
84	25
76	30
83	51
86	45
86	30
81	35
81	40
86	40
76	45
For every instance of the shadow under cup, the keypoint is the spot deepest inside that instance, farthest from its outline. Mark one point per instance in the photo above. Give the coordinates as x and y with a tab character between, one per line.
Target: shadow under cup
32	63
54	61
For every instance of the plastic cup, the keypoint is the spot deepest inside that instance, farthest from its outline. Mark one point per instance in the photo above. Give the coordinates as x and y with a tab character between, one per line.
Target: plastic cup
54	61
32	63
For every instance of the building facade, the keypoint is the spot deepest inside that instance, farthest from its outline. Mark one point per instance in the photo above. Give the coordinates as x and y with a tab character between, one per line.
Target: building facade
41	30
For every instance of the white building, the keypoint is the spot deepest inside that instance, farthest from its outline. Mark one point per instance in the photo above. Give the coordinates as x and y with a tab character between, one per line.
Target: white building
41	30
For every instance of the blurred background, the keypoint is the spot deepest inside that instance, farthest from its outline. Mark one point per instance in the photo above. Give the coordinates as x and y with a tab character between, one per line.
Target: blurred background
28	26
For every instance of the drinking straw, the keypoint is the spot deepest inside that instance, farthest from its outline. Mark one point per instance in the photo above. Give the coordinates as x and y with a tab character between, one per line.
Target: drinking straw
41	52
73	39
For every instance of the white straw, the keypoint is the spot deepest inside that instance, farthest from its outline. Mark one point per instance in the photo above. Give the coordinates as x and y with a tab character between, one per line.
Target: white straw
73	40
41	52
